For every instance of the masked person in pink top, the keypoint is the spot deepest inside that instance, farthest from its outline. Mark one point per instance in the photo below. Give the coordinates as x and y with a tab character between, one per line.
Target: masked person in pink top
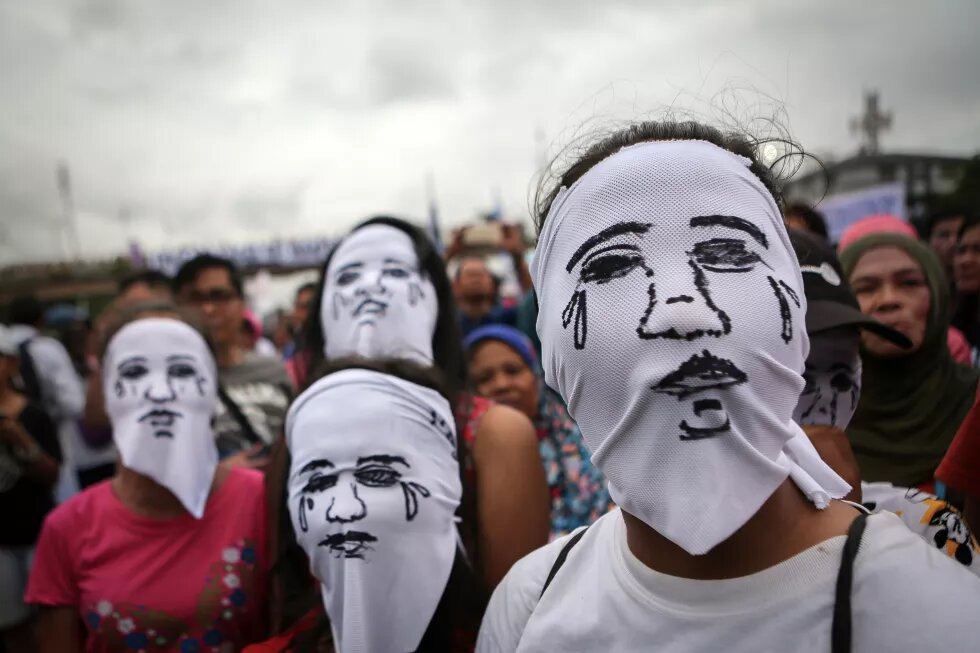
169	554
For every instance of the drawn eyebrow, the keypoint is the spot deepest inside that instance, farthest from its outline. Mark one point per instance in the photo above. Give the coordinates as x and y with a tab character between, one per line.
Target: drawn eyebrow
349	266
639	228
396	262
132	359
180	357
732	222
384	459
321	463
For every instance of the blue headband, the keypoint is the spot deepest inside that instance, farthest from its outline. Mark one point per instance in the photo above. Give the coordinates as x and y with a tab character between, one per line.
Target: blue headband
507	335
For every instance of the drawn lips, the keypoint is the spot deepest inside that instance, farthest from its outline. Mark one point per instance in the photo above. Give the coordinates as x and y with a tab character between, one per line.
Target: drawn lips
370	307
352	544
699	373
160	417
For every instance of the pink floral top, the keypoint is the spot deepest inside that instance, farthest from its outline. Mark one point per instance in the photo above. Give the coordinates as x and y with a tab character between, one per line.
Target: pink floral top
156	585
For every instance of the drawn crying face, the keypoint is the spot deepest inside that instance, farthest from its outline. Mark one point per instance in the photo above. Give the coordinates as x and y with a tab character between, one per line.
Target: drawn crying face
158	378
363	475
833	379
376	302
698	291
370	270
343	498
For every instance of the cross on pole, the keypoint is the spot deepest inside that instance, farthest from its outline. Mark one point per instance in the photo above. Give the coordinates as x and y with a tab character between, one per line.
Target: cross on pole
871	124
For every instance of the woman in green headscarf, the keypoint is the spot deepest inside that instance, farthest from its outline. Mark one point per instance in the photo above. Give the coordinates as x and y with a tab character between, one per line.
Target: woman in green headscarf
912	400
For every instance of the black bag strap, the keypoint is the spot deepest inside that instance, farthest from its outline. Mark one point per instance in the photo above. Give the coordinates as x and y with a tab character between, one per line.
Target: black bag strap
560	560
28	371
236	412
840	634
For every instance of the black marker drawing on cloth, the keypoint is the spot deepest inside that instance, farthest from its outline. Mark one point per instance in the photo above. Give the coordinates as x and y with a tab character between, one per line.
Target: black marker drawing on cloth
613	253
732	222
702	373
787	318
134	380
368	299
671	333
843	381
344	504
445	429
350	544
600	267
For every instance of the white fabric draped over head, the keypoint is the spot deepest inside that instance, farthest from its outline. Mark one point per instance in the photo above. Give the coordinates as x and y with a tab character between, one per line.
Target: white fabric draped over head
672	323
373	490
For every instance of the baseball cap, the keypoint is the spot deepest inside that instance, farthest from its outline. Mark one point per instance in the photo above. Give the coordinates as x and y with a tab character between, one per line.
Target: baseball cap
830	302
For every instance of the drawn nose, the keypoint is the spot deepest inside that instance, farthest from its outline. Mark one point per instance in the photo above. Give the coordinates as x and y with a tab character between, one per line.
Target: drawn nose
345	506
374	285
680	308
159	390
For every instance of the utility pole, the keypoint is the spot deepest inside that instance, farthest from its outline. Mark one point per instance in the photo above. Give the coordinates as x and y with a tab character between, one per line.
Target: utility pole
69	232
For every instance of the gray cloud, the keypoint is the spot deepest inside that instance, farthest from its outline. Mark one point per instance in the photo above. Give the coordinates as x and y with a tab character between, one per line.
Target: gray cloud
237	120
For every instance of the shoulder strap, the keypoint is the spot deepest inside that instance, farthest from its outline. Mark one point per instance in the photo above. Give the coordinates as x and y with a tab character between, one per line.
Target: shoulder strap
560	560
840	634
28	371
236	412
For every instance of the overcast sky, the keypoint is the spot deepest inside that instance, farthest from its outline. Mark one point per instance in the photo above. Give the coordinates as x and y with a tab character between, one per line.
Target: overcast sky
189	122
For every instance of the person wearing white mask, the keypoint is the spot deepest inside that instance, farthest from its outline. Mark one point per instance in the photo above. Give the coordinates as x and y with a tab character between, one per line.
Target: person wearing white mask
384	293
672	323
168	555
368	507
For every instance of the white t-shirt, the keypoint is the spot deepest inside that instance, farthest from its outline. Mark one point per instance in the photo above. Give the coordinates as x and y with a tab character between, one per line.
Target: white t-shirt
906	596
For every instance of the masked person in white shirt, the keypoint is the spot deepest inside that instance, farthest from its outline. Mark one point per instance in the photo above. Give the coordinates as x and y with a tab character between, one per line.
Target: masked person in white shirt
672	323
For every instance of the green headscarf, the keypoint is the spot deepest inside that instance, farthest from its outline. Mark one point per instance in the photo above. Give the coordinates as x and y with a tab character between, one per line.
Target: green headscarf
911	406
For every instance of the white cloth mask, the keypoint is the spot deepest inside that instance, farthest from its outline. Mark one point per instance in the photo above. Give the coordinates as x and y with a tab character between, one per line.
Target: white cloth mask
376	301
373	490
833	379
671	322
160	384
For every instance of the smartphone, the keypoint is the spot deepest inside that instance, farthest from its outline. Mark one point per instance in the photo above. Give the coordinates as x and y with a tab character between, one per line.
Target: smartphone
483	235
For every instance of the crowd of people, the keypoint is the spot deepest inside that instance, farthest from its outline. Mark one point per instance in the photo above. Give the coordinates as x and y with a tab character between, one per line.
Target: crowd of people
697	426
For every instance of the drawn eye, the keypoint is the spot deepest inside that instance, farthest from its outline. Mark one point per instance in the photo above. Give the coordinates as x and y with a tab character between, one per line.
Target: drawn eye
611	263
181	371
810	386
347	277
377	476
396	273
133	372
841	382
724	255
320	482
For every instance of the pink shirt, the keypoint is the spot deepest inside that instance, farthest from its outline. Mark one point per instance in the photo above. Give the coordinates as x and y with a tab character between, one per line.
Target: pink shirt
155	585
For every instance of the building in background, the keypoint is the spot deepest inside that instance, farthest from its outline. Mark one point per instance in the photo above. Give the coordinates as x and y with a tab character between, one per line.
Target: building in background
925	179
